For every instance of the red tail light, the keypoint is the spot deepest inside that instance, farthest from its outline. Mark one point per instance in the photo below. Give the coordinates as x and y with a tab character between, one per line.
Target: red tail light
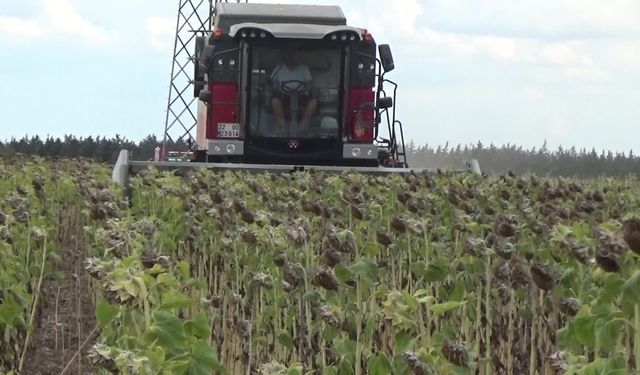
361	115
223	106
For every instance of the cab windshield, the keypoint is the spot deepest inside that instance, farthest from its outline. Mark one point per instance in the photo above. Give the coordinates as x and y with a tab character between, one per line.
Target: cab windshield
294	93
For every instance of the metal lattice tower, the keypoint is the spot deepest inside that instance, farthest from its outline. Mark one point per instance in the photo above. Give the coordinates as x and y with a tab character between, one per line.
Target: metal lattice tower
195	17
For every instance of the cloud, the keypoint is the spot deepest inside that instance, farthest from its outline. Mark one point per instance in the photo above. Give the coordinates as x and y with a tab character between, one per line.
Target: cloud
573	59
567	19
56	18
63	17
19	28
161	32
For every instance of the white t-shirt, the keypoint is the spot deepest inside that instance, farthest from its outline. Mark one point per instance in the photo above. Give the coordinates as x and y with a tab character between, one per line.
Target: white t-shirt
282	74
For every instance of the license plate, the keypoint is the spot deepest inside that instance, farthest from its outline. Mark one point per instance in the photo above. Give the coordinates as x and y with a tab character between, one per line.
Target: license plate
228	130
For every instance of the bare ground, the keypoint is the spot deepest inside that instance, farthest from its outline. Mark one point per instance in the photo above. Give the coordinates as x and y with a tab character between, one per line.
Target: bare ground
66	314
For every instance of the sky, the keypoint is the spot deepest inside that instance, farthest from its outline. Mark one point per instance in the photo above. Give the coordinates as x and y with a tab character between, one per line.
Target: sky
496	71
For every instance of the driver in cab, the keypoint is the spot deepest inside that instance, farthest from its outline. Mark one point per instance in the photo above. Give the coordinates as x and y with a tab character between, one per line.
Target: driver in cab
292	77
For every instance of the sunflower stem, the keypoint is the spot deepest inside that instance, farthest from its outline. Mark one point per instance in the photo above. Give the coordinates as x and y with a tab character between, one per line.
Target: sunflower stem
636	334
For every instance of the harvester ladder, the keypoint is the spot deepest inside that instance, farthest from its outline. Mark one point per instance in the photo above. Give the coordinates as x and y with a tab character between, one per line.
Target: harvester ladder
195	17
398	149
396	144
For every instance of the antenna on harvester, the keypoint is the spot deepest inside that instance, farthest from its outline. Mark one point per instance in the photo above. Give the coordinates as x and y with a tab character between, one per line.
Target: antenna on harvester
195	17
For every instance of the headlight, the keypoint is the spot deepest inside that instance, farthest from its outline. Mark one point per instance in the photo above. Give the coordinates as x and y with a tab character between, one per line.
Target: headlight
220	62
334	37
343	37
355	152
243	33
217	148
263	35
231	148
370	152
253	34
352	37
360	66
232	62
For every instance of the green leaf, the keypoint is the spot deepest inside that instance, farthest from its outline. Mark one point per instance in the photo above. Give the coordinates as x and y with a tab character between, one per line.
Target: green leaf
346	367
106	312
9	312
295	369
330	333
366	268
344	346
343	274
611	289
157	269
156	355
168	280
371	249
183	268
403	341
631	287
204	358
566	338
594	368
175	300
285	340
436	272
584	328
422	296
457	294
312	297
419	269
607	333
442	308
167	330
198	327
379	365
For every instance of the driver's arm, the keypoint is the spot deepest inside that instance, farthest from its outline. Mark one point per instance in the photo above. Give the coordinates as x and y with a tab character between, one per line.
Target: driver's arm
274	79
307	79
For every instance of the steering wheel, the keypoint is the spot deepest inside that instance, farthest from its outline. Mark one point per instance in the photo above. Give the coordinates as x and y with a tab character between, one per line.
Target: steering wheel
292	86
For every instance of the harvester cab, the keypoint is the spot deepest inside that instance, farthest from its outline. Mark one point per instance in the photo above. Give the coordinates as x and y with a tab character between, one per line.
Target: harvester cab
293	84
289	87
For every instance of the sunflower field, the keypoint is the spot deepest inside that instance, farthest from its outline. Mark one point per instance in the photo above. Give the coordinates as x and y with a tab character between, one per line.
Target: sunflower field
207	272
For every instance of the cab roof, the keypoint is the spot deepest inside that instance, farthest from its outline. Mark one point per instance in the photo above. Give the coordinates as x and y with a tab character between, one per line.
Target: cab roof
229	14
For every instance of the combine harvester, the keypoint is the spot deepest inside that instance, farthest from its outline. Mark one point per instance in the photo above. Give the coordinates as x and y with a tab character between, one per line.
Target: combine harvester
283	88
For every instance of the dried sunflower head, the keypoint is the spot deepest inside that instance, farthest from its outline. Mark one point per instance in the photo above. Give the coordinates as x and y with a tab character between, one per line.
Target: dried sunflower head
506	226
608	261
399	224
383	238
569	306
631	234
414	363
263	280
557	363
328	316
325	278
543	276
455	353
331	256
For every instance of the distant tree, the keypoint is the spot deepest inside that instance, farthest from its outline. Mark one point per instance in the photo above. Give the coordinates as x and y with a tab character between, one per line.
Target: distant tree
493	159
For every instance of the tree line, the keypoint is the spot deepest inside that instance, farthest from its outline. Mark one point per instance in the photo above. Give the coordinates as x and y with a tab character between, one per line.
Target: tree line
493	159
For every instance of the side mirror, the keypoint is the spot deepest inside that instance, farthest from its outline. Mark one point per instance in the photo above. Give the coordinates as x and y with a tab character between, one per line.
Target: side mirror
198	74
385	102
205	57
386	57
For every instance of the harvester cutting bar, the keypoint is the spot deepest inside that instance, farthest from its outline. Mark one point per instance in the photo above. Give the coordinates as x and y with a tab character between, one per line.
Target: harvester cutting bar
125	167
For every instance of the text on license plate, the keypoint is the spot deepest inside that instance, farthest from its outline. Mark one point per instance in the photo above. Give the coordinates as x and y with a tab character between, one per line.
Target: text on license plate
228	130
